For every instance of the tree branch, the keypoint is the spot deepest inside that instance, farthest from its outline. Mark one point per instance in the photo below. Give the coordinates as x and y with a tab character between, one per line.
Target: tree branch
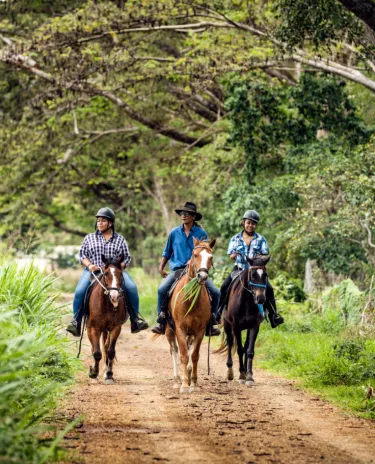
59	224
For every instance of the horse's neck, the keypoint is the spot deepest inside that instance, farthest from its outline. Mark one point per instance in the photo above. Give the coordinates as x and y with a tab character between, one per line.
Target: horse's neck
190	272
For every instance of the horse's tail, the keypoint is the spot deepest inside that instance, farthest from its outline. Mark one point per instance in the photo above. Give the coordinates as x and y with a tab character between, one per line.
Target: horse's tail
224	344
155	336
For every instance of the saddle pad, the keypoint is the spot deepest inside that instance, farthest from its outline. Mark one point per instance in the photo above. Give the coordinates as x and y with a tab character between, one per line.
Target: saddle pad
178	276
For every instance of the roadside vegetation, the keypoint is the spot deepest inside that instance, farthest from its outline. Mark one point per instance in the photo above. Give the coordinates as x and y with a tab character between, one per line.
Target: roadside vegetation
328	345
35	365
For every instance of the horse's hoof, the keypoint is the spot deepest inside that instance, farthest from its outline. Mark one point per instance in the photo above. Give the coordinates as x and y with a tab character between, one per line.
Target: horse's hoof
230	375
184	389
194	388
249	383
109	381
242	381
92	373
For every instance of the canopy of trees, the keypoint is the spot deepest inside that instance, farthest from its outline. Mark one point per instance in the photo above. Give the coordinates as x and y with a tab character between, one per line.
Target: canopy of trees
142	105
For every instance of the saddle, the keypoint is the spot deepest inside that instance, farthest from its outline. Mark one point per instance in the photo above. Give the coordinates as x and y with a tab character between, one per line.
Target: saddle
234	274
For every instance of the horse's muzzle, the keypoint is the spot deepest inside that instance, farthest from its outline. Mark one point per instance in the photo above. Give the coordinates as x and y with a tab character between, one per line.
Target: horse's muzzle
260	299
202	276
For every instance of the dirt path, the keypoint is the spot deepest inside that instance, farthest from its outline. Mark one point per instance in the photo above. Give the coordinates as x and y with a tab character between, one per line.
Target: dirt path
141	419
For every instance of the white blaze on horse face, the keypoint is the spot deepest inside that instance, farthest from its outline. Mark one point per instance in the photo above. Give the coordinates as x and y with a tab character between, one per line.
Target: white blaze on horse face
260	272
114	293
205	256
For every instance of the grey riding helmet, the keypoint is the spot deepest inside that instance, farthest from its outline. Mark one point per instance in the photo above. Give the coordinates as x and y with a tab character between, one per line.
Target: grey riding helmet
252	215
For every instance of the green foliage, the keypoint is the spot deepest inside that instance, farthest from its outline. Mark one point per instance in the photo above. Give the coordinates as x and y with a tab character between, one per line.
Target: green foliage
316	21
288	289
35	363
318	351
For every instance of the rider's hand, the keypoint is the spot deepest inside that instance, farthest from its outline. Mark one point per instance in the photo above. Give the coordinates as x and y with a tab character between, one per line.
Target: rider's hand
233	256
93	268
163	273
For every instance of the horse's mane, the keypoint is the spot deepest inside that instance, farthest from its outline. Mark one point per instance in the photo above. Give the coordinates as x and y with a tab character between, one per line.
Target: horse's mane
113	260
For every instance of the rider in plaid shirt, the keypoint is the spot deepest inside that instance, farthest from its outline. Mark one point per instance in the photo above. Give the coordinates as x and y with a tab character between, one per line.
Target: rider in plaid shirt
249	243
104	242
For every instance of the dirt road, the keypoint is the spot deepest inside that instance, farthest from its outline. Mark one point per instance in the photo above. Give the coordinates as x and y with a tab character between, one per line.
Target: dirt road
141	419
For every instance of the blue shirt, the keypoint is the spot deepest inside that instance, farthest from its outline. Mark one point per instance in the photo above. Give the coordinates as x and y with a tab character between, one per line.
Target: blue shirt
179	247
94	246
257	246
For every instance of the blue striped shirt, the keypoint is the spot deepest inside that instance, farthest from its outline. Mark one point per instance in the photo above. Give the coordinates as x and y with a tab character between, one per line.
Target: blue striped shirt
257	246
179	247
94	246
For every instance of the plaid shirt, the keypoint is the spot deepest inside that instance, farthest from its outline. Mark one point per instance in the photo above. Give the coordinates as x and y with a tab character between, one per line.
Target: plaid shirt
257	246
94	246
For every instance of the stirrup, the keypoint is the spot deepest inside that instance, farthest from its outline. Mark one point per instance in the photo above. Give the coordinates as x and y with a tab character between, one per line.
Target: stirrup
158	329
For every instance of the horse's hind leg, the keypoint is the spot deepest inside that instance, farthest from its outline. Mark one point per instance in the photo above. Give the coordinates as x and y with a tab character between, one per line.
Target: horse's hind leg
229	334
94	337
253	333
111	354
171	337
195	359
242	378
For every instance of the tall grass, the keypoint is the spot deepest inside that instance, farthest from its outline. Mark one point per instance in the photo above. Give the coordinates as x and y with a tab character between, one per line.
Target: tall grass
324	346
35	363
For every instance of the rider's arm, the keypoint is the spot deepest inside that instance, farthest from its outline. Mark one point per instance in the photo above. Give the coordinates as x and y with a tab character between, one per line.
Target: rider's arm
86	262
163	262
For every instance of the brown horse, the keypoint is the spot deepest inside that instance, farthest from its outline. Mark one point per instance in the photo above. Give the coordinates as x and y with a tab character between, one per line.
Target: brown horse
190	325
245	312
107	313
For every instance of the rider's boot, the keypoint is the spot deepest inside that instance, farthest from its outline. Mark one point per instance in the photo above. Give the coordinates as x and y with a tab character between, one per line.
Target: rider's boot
74	328
212	329
159	327
138	324
274	317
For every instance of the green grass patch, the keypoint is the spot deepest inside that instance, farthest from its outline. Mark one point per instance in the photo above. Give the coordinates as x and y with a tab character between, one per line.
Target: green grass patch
324	353
35	364
148	293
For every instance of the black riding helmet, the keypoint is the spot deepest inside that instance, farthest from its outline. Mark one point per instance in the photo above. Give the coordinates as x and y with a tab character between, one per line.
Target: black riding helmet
107	213
252	215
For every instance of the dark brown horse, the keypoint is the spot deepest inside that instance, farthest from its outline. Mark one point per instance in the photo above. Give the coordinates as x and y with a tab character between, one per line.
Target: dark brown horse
107	313
190	325
245	312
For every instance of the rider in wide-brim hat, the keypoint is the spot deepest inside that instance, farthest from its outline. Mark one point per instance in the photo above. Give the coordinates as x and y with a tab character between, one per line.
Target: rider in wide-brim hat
108	243
177	251
253	245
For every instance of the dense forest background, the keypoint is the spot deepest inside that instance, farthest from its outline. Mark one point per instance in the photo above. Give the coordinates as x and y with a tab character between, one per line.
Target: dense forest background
143	105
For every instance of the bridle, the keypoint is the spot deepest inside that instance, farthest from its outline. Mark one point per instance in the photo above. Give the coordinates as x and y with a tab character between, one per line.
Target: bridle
253	284
105	287
201	269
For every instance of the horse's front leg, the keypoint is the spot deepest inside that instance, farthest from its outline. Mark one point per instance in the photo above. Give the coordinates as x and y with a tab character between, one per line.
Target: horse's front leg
94	337
171	337
242	378
253	333
111	354
240	351
229	334
184	359
195	359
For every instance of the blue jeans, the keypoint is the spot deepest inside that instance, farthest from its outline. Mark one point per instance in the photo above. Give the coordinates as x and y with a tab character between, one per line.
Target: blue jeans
167	282
128	286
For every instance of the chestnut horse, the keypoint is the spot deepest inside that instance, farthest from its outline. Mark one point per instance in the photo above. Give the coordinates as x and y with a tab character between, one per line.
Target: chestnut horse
107	313
245	312
190	326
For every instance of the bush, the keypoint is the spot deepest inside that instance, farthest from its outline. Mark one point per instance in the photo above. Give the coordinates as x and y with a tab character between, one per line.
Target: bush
35	363
288	288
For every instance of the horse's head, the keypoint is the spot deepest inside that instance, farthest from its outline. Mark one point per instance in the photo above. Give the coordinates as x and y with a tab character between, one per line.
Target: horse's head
113	278
258	277
201	259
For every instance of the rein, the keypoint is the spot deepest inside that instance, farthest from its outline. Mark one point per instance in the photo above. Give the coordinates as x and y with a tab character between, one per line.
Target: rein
105	288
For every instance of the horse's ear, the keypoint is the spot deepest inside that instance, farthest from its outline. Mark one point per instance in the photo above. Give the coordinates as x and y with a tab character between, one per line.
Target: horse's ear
104	259
260	260
195	241
212	243
265	259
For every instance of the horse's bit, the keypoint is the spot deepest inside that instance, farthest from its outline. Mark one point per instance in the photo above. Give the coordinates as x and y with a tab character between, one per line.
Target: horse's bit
105	288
